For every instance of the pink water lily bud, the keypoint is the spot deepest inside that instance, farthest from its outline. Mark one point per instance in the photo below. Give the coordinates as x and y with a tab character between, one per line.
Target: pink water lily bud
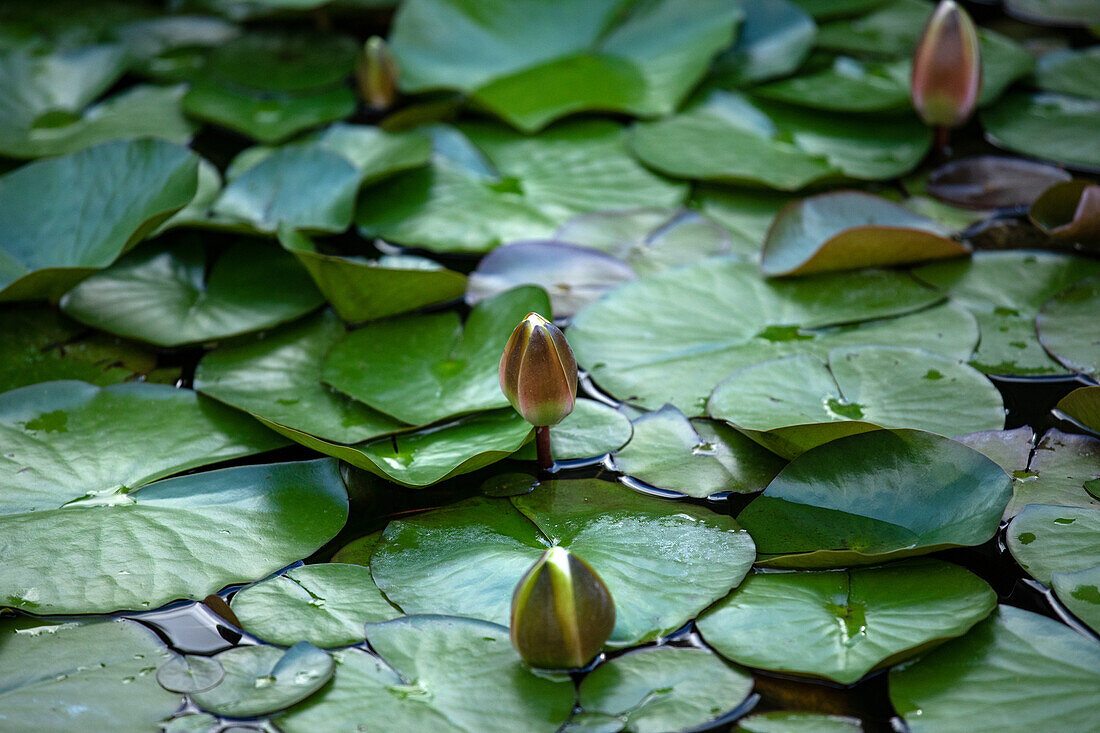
562	613
947	69
376	74
538	373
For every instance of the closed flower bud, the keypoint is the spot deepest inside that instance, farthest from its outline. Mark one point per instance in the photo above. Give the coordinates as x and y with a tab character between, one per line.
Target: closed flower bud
376	74
947	69
538	373
562	613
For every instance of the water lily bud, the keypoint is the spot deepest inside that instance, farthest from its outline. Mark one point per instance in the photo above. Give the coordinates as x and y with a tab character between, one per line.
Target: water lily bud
947	69
562	613
538	373
376	74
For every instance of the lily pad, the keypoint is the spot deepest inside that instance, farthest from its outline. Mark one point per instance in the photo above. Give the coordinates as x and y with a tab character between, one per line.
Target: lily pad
264	679
362	289
842	625
781	721
846	85
572	276
992	676
67	441
774	39
465	559
846	230
876	496
672	336
1069	210
283	62
424	683
733	138
1004	291
663	689
190	673
1048	539
487	186
1048	126
185	537
697	458
125	188
796	403
530	63
1009	449
188	294
747	214
591	430
992	182
1083	405
1067	327
431	454
425	368
1061	470
81	676
276	377
325	604
267	116
1079	591
1073	72
1055	12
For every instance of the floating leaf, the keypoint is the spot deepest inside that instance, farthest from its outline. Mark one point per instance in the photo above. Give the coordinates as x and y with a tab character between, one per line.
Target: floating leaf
1083	405
325	604
96	675
1004	291
796	403
846	230
1048	539
663	689
876	496
774	39
995	673
264	679
732	138
425	683
697	458
520	63
283	62
1048	126
466	558
747	214
1055	12
797	722
1069	211
1070	71
125	188
1067	329
1059	471
190	673
1080	592
591	430
846	85
269	117
841	625
189	294
1009	449
992	182
488	185
425	368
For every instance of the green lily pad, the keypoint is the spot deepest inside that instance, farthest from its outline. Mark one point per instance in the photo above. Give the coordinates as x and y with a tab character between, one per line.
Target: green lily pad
1059	471
846	230
424	368
747	214
67	441
283	62
1055	12
190	673
842	625
829	9
697	458
672	336
593	429
1073	72
774	39
264	679
796	403
1066	325
431	454
531	64
732	138
276	377
158	44
267	116
1005	291
992	677
487	185
876	496
663	689
1079	591
846	85
374	151
39	344
325	604
1048	126
781	721
187	294
363	290
1083	405
424	683
185	537
1048	539
125	188
358	552
1009	449
197	212
81	676
465	559
190	723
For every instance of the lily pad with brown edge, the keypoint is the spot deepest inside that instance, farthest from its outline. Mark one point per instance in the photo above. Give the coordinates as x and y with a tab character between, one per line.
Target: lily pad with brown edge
876	496
992	182
847	230
1069	210
592	430
466	558
1069	327
796	403
697	458
362	289
1047	539
1083	406
841	625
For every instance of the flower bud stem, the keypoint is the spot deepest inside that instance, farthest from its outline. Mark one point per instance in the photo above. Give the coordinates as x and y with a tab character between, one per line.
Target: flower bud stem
941	146
542	447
